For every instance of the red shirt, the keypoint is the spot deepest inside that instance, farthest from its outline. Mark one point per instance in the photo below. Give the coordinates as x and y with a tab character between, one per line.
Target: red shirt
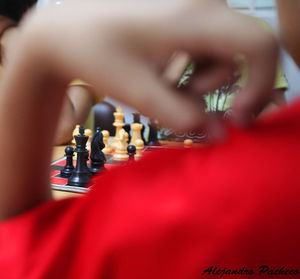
175	214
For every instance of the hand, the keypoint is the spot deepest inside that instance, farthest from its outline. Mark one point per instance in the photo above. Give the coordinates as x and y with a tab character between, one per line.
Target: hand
117	47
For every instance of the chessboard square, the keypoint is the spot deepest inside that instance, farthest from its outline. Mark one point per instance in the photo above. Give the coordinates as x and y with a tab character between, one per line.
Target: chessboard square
61	163
54	173
59	181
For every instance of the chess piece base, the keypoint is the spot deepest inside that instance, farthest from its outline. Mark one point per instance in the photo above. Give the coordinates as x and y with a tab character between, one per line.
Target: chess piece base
79	179
121	156
97	168
66	173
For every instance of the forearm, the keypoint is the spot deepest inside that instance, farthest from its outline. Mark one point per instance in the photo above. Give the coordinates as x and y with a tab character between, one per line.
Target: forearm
288	13
29	108
75	111
66	123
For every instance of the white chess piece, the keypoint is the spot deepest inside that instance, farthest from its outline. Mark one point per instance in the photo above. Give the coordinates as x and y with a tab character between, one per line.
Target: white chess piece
139	144
106	149
89	133
121	147
136	129
119	124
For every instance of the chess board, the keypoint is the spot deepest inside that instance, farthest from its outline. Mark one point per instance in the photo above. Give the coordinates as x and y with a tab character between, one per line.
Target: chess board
61	184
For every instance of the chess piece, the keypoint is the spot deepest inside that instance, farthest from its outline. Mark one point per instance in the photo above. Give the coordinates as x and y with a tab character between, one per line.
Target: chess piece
127	130
104	116
137	119
81	175
139	144
131	150
126	135
89	133
136	129
75	132
68	169
106	149
97	156
188	143
153	128
121	147
119	124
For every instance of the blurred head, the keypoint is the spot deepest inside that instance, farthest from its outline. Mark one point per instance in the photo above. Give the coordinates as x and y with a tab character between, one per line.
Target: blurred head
11	12
14	9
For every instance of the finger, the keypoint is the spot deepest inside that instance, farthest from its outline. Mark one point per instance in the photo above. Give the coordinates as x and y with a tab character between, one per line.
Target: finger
258	89
240	35
215	127
214	77
166	104
142	89
176	66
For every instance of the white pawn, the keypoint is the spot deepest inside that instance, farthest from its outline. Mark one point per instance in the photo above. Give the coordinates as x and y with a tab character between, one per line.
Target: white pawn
89	133
121	147
139	144
188	143
106	149
136	129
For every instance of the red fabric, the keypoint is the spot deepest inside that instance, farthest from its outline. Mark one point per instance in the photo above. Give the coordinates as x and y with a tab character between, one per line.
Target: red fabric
173	214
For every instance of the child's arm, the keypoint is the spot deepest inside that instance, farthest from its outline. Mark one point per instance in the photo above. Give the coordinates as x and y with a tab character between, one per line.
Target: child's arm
78	101
115	48
75	111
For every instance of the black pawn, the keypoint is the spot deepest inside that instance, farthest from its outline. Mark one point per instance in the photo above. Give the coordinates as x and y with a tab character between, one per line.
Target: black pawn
131	149
81	175
153	128
97	156
68	169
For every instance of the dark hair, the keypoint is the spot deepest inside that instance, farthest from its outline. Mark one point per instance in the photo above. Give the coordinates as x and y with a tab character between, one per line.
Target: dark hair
15	9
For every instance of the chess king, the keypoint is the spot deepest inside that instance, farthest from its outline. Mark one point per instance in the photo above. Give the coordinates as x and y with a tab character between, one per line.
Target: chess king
81	174
119	124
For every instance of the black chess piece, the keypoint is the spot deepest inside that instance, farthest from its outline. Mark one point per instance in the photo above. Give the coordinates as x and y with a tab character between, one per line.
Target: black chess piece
81	175
127	130
97	156
137	119
153	128
131	149
68	169
104	116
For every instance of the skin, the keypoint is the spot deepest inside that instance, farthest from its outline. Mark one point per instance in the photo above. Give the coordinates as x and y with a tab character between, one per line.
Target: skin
278	98
78	101
179	61
134	35
75	111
